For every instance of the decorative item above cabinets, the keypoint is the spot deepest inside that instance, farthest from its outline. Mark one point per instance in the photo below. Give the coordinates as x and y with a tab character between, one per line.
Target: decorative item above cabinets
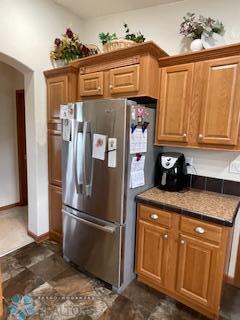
129	72
204	32
199	100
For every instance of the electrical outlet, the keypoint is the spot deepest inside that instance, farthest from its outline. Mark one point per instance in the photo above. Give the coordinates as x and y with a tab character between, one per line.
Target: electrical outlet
234	167
189	160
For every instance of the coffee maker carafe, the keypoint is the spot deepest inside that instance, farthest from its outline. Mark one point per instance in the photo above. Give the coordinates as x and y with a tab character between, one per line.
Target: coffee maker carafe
171	171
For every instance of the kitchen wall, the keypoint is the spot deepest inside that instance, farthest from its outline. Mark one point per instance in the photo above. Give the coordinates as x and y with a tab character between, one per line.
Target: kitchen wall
11	80
161	24
27	30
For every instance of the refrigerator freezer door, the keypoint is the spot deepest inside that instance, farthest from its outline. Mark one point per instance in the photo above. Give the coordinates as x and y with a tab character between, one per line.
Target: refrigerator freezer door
92	246
89	185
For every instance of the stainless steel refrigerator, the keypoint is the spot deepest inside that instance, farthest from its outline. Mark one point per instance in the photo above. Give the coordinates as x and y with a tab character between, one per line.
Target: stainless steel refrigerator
99	210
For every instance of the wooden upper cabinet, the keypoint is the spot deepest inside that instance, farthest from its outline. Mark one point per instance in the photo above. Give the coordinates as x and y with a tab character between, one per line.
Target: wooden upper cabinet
175	103
124	80
198	263
57	93
152	251
61	88
220	108
91	84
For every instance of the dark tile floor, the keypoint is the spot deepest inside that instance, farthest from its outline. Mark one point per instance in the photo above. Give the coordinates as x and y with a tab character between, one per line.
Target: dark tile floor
61	292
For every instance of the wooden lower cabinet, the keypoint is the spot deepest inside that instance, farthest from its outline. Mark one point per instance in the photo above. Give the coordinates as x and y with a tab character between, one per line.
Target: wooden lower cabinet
184	265
196	268
152	251
55	212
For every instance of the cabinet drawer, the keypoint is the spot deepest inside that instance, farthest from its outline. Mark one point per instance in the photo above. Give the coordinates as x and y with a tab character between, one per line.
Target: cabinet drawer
91	84
124	80
155	215
201	229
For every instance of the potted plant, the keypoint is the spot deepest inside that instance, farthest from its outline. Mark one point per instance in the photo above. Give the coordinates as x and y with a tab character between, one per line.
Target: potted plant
197	28
111	42
68	48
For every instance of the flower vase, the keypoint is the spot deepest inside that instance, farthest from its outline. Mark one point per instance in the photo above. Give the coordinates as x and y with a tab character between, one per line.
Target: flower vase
196	45
58	63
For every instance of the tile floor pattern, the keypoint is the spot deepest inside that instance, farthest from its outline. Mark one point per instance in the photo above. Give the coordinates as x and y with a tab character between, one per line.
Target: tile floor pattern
61	292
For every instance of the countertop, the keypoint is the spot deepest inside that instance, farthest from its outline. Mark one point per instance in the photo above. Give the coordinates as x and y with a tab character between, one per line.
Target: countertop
210	206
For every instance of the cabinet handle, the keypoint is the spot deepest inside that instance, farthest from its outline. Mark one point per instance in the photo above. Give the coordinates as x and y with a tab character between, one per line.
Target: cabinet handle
110	86
154	216
165	236
199	230
99	88
182	241
184	135
200	136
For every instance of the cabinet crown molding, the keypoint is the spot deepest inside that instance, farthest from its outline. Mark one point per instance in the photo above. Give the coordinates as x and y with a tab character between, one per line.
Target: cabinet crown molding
208	54
60	71
144	48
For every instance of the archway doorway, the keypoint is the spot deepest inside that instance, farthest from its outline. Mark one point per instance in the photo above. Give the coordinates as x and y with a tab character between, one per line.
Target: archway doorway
13	162
23	193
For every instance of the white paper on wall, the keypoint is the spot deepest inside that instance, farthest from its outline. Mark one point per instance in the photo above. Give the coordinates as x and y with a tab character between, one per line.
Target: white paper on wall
138	141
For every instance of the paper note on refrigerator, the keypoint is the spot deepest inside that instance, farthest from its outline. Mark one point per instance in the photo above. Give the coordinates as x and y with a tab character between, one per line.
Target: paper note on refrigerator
99	146
138	141
137	178
66	130
67	111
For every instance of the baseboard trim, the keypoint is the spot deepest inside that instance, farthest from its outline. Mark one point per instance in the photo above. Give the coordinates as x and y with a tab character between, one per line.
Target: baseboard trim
231	281
13	205
38	239
53	235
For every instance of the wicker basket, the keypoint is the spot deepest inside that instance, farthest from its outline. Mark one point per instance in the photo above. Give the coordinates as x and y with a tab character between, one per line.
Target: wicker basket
117	44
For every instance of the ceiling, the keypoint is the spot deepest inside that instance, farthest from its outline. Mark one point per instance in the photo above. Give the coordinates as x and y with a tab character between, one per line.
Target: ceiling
94	8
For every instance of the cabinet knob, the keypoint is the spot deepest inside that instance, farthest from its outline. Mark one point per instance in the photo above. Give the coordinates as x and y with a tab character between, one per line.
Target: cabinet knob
184	135
154	216
99	88
110	86
199	230
165	236
182	241
200	136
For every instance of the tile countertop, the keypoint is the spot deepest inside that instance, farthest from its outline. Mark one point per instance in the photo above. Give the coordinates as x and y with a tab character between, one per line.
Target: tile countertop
210	206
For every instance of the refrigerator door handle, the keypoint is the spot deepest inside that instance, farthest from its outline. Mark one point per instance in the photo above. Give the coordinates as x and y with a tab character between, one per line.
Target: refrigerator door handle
79	186
87	183
91	224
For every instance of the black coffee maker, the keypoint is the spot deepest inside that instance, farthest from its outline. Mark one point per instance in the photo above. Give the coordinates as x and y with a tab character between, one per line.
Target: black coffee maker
171	171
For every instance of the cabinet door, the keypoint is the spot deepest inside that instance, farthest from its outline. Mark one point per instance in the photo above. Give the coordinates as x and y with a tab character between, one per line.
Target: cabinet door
54	157
55	210
175	103
152	251
220	102
124	79
57	93
91	84
197	270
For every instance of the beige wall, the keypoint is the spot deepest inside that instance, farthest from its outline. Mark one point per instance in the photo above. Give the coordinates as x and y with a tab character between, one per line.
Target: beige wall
11	80
28	28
